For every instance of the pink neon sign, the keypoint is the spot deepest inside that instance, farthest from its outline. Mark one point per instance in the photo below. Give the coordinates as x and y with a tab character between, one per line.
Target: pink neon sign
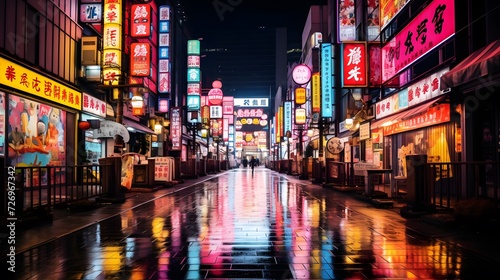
427	30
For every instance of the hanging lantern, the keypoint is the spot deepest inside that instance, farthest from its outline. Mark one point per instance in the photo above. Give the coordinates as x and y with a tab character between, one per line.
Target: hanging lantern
84	125
300	116
137	105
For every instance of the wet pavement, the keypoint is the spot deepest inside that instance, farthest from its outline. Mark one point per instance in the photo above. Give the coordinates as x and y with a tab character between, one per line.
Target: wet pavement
235	225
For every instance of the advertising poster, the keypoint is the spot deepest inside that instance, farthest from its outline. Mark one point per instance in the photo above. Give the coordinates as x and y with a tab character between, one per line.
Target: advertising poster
35	135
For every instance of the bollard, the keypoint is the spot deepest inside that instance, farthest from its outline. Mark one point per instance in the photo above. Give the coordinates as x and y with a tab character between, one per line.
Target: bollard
418	194
111	170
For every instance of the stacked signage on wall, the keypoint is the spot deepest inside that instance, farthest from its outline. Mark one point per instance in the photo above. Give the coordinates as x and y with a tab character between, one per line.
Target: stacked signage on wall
112	42
163	49
252	122
426	31
193	76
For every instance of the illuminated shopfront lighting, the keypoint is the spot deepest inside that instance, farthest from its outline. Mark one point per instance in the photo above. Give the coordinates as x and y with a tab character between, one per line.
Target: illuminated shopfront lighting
310	132
349	121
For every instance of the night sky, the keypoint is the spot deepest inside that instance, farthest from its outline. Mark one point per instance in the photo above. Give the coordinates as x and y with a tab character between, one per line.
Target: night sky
238	44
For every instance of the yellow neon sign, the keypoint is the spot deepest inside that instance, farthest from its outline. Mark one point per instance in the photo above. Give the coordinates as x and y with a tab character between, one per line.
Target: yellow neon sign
21	78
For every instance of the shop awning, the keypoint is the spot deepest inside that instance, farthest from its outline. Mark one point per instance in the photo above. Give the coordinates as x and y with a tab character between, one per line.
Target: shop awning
137	126
483	62
415	111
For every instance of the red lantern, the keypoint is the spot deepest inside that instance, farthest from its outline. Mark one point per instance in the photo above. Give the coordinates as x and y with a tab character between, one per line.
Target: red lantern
83	125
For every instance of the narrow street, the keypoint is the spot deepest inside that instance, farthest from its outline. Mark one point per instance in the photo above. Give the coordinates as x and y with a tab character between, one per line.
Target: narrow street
235	225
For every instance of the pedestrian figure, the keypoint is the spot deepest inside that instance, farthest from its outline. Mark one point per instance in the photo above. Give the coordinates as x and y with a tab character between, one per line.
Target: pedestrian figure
257	162
252	164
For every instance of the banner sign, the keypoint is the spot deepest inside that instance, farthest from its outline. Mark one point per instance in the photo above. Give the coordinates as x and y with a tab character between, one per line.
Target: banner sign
431	27
288	116
140	25
347	21
326	81
316	93
163	50
434	115
354	64
176	128
23	79
140	60
93	105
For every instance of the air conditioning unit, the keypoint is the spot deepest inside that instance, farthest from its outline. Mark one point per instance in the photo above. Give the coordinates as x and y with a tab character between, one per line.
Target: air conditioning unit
90	50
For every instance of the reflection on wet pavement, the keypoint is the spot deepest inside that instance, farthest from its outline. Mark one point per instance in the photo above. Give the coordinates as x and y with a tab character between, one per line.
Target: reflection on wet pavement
239	226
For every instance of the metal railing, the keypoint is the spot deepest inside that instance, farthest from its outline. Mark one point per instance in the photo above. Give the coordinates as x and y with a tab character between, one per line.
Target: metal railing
451	182
38	189
447	182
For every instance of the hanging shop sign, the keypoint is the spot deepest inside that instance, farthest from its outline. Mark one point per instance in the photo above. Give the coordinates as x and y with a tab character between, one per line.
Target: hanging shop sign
372	20
354	64
429	29
228	105
112	42
225	130
228	109
300	96
417	93
375	62
347	21
90	13
251	119
163	49
251	102
434	115
301	74
193	75
426	89
164	82
163	104
316	93
176	128
21	78
389	9
193	61
364	131
215	112
300	116
109	129
193	89
327	97
140	22
193	102
141	59
205	115
287	118
215	96
193	47
93	105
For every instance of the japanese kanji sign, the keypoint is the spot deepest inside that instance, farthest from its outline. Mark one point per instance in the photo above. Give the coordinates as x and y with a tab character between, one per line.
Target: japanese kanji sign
163	50
354	64
112	42
93	105
327	97
140	25
21	78
434	25
140	60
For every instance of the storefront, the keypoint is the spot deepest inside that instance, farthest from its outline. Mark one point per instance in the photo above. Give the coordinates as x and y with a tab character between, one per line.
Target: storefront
40	118
140	134
94	112
416	120
475	83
